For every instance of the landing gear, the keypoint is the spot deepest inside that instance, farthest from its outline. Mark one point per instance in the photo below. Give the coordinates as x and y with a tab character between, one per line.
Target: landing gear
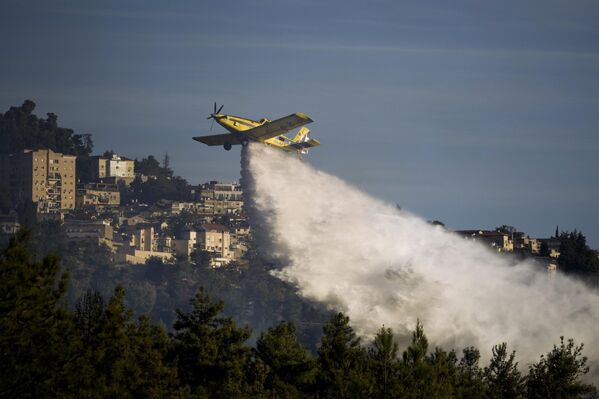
244	142
227	146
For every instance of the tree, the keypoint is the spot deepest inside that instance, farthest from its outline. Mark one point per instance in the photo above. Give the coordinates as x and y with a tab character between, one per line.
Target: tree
557	375
291	369
20	129
34	326
425	376
209	349
341	361
384	363
575	255
502	376
148	166
118	357
166	165
470	382
544	250
506	229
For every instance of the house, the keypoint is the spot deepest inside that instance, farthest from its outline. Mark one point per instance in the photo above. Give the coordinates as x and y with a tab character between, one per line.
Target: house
499	241
142	244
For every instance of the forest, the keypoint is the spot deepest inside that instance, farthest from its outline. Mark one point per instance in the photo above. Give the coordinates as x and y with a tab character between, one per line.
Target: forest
97	348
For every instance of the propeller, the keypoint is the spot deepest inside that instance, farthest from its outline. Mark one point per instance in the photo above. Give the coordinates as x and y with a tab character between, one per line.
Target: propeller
213	115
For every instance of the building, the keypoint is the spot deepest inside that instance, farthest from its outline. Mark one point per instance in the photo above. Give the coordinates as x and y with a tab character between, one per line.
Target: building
186	244
501	242
107	169
216	239
96	230
97	195
142	245
552	246
222	198
44	177
192	207
9	224
523	243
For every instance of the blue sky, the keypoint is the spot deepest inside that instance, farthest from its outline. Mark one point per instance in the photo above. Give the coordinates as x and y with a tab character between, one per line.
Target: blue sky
474	113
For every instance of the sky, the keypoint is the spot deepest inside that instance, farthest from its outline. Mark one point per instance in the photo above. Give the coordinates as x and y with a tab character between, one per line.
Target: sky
477	114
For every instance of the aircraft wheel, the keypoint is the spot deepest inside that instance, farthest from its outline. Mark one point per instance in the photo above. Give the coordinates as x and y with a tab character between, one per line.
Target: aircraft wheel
227	146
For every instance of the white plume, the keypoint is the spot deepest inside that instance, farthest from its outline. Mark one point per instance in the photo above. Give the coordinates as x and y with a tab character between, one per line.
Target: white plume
381	266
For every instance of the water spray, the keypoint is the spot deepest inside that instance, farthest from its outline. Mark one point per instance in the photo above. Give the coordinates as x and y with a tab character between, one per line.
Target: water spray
381	265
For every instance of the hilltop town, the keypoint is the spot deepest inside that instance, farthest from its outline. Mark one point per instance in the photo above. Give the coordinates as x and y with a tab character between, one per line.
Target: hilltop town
86	196
140	210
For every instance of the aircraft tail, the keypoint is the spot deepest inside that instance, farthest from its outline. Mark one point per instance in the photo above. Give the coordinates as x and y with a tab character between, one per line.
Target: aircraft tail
302	141
301	136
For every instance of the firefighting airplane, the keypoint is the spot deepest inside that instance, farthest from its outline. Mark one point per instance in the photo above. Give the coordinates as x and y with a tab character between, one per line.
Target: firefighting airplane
243	130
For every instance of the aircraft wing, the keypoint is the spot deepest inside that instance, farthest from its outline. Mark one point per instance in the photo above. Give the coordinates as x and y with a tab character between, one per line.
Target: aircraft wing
278	126
218	139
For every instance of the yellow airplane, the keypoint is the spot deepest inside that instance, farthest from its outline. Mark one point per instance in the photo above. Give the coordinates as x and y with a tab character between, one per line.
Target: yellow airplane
243	130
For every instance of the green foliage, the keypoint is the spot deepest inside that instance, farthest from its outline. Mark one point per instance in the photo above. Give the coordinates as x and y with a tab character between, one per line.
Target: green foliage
384	364
425	376
99	350
558	374
469	383
149	166
289	368
505	229
120	357
173	188
576	257
32	321
20	129
502	375
342	361
210	349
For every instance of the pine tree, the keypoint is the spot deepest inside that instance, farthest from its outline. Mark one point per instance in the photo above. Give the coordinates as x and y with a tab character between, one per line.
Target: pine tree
209	349
576	257
384	363
502	375
341	361
118	356
34	326
558	374
470	384
290	367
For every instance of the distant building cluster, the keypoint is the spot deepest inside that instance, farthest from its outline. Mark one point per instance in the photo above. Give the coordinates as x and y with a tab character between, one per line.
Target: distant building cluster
84	195
517	242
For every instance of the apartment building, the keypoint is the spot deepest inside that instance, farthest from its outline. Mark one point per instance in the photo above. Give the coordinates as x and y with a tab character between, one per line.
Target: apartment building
215	238
222	198
44	177
97	195
108	169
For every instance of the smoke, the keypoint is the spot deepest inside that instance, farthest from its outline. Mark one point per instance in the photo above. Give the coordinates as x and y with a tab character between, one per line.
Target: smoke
379	265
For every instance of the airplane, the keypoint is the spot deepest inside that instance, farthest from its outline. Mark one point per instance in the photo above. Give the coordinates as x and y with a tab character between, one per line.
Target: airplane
272	133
